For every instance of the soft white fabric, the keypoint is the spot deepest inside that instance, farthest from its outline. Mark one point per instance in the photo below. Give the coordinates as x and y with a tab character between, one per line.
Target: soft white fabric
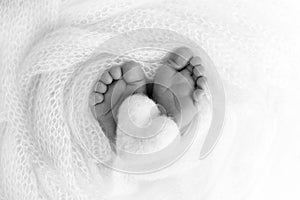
51	53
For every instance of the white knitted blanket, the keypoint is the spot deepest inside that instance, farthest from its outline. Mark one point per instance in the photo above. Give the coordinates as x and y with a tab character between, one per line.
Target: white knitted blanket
52	52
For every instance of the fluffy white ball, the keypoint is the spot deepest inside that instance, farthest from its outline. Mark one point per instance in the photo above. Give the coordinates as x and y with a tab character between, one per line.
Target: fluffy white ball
141	126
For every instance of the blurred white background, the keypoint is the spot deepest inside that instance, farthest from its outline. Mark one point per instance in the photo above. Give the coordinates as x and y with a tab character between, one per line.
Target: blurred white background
279	171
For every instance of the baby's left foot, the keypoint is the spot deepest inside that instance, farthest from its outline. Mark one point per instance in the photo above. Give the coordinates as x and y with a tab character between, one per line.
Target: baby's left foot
178	84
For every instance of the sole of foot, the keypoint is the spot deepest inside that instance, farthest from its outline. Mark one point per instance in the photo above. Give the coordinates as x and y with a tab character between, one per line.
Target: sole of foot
114	86
178	85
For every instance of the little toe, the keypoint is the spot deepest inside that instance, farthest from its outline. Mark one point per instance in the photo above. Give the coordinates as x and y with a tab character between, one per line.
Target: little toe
198	71
100	87
197	94
201	82
181	56
104	102
115	72
106	78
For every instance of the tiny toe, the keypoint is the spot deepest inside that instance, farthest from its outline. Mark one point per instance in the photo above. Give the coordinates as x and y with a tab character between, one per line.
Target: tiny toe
106	78
195	61
98	98
186	72
181	56
198	70
201	81
132	72
197	94
115	72
190	68
100	87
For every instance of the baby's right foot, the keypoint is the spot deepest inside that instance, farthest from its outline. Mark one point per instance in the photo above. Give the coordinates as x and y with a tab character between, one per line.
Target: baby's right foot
178	84
115	84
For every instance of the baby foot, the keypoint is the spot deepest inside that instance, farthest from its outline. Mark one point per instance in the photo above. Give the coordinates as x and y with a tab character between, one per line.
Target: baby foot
114	86
178	84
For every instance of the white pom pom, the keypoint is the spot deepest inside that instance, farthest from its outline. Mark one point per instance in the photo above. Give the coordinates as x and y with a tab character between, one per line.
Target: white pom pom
139	109
142	128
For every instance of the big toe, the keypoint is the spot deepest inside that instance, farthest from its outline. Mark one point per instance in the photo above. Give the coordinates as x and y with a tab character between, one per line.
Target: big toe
134	76
132	72
179	58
